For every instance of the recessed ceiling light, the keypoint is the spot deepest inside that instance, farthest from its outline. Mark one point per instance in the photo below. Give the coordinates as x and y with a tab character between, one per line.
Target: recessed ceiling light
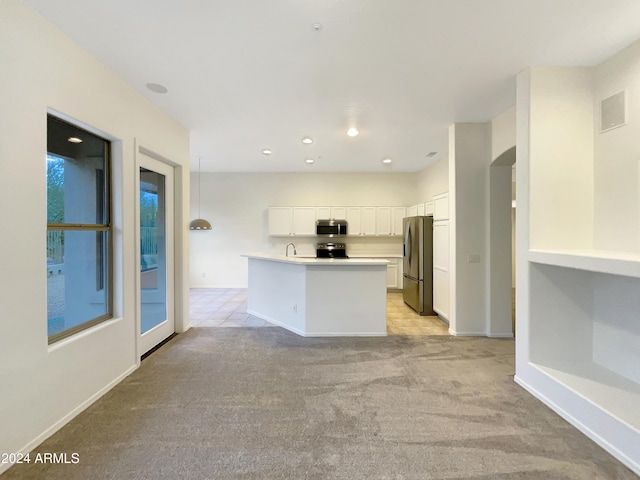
310	161
387	160
74	140
317	27
353	132
266	151
307	140
157	88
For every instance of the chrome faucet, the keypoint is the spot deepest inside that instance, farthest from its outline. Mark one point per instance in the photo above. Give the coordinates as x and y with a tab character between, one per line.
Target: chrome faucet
286	251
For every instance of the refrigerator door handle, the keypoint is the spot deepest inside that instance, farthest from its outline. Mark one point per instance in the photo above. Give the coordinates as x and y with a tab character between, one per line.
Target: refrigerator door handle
408	241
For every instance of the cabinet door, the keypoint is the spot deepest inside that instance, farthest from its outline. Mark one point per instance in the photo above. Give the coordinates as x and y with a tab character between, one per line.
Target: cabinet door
428	209
323	213
441	292
304	220
397	215
354	221
441	207
339	213
368	226
441	245
280	220
383	221
412	211
420	209
392	274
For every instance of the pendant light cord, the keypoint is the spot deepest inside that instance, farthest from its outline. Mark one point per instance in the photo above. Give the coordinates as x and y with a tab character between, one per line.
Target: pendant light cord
199	160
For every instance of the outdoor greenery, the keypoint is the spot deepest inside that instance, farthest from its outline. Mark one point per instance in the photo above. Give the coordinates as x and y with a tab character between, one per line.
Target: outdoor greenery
55	189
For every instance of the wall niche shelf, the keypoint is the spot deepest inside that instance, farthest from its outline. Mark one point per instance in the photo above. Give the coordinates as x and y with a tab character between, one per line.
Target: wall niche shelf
599	261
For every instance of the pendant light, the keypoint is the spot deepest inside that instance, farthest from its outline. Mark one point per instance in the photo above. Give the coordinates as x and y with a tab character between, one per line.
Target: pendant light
199	223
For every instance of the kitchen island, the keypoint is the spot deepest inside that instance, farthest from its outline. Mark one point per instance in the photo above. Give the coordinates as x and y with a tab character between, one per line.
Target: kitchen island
316	297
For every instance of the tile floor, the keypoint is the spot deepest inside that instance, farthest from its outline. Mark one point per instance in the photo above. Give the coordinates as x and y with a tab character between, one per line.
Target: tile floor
227	307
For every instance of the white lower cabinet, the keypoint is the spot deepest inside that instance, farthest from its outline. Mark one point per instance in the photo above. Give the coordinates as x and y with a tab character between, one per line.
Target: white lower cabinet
441	292
441	268
392	274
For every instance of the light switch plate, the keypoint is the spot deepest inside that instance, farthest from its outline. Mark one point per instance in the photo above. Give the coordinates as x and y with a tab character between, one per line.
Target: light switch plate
473	258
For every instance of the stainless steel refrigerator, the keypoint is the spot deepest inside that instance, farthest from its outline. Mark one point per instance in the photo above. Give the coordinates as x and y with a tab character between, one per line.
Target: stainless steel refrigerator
417	282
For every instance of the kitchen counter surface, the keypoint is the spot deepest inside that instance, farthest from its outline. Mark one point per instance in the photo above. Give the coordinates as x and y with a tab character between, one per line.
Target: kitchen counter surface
352	261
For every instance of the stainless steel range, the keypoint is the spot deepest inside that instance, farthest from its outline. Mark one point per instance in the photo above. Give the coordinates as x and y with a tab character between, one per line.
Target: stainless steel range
331	250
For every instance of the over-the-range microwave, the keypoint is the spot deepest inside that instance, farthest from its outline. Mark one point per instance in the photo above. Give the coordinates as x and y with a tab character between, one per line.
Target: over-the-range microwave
331	227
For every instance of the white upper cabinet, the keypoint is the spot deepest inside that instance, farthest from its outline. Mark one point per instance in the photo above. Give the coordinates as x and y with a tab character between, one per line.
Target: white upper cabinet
354	220
441	207
362	221
339	212
291	221
323	213
397	215
412	211
304	220
368	225
420	209
280	221
428	209
383	221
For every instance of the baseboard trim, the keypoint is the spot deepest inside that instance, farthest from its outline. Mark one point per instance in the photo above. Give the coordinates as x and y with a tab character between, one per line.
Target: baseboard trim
501	335
467	334
68	417
606	445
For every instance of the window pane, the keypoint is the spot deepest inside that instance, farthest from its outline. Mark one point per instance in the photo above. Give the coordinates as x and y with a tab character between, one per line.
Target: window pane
77	282
153	260
76	188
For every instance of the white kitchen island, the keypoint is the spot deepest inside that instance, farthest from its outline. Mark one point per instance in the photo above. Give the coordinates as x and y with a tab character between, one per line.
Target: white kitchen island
316	297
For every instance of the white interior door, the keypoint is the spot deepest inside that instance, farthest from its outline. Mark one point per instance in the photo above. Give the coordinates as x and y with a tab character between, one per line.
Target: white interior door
155	218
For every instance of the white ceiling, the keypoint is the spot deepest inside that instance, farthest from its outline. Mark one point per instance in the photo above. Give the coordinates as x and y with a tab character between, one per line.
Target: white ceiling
244	75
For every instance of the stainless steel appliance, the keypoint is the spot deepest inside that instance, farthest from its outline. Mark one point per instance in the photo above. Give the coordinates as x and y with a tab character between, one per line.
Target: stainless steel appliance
417	284
331	227
331	250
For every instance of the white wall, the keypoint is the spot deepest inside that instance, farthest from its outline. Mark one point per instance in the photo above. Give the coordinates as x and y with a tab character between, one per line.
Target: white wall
562	101
433	180
616	161
469	159
42	386
236	205
577	331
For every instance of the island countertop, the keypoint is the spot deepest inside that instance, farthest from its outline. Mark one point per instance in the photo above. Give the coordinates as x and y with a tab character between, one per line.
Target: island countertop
317	261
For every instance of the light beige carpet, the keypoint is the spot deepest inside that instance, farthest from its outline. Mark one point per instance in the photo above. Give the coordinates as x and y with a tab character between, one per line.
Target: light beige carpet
263	403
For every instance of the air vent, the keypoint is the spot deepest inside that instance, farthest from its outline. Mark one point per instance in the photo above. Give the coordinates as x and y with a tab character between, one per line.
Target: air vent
613	112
